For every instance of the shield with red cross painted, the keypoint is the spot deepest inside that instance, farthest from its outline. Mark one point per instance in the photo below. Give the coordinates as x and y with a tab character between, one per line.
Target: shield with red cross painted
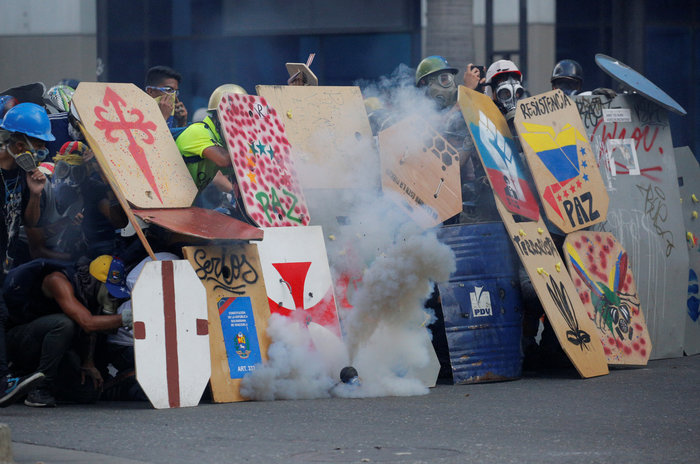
297	276
125	125
260	153
171	334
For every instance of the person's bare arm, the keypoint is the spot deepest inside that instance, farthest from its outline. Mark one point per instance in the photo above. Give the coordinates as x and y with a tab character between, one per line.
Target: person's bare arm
57	286
35	181
219	155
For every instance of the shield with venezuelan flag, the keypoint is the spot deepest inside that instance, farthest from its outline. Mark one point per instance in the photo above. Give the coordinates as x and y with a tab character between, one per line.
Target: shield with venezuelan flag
562	162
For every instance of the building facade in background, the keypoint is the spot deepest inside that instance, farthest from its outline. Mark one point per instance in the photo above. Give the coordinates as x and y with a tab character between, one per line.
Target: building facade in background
247	42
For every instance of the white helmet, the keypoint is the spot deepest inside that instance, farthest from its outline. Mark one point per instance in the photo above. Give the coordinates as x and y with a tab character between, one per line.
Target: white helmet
497	68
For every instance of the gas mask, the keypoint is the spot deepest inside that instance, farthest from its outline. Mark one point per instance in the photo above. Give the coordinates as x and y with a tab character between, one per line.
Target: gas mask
569	86
28	160
507	93
70	174
442	89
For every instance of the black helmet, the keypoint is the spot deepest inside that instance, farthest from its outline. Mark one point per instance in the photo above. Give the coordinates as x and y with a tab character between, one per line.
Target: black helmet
567	69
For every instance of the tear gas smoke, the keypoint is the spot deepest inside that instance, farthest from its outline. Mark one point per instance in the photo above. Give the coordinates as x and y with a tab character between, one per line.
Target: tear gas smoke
390	259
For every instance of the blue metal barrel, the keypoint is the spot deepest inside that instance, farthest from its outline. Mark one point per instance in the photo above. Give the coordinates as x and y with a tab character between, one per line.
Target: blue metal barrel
482	305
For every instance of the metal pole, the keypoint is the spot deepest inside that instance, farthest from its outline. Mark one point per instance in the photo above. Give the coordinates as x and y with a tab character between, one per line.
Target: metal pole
522	30
488	30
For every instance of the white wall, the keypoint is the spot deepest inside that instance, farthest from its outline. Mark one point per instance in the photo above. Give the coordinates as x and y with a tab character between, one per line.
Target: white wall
47	40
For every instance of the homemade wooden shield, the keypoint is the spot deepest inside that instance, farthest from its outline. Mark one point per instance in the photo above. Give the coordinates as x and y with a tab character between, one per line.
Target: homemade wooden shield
171	341
260	154
600	269
124	124
535	247
561	161
328	129
499	155
238	313
297	276
423	168
632	134
689	184
575	331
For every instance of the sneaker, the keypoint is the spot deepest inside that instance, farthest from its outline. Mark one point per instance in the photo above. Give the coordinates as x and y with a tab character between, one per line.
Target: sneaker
15	387
40	397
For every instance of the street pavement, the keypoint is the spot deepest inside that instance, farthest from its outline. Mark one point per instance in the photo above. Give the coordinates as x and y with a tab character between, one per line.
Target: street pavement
646	415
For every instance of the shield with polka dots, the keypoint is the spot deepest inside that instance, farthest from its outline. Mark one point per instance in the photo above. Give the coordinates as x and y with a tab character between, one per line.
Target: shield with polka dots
602	274
260	153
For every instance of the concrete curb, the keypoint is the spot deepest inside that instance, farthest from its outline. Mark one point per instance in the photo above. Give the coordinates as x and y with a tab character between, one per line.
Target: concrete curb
6	445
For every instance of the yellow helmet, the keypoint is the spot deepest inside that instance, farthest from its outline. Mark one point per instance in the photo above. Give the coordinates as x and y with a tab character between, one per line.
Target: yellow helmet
220	91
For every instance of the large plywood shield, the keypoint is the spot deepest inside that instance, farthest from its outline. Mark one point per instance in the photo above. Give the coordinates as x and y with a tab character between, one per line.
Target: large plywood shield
561	161
238	312
499	155
171	341
573	328
632	140
261	157
125	126
535	247
600	269
689	184
423	169
297	275
328	129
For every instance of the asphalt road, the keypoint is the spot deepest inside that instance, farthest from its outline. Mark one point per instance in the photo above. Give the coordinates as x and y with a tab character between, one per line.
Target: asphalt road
646	415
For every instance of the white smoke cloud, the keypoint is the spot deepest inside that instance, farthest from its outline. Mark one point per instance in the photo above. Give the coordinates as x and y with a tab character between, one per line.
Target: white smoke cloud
294	370
385	335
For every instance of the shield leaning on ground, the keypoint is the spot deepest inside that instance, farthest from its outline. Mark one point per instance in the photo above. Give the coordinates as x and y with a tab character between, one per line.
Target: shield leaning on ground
561	161
689	184
632	140
171	341
535	247
601	271
238	312
261	158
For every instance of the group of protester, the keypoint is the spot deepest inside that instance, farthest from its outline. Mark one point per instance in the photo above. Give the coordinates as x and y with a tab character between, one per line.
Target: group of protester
67	271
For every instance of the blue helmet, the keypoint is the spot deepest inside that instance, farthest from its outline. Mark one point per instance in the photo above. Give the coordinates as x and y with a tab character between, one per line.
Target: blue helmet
29	119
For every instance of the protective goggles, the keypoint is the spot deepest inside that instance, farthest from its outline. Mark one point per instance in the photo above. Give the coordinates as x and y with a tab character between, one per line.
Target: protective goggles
169	90
444	79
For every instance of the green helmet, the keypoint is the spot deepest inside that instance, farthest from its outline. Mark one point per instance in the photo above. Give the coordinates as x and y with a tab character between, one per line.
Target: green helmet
432	65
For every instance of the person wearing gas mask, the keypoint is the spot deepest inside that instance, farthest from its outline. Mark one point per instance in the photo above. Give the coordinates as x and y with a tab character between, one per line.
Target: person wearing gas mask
80	213
437	78
567	76
24	130
504	85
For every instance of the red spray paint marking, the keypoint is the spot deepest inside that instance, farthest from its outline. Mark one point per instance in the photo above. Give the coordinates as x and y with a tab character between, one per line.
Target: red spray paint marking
323	313
117	102
172	367
622	169
640	135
